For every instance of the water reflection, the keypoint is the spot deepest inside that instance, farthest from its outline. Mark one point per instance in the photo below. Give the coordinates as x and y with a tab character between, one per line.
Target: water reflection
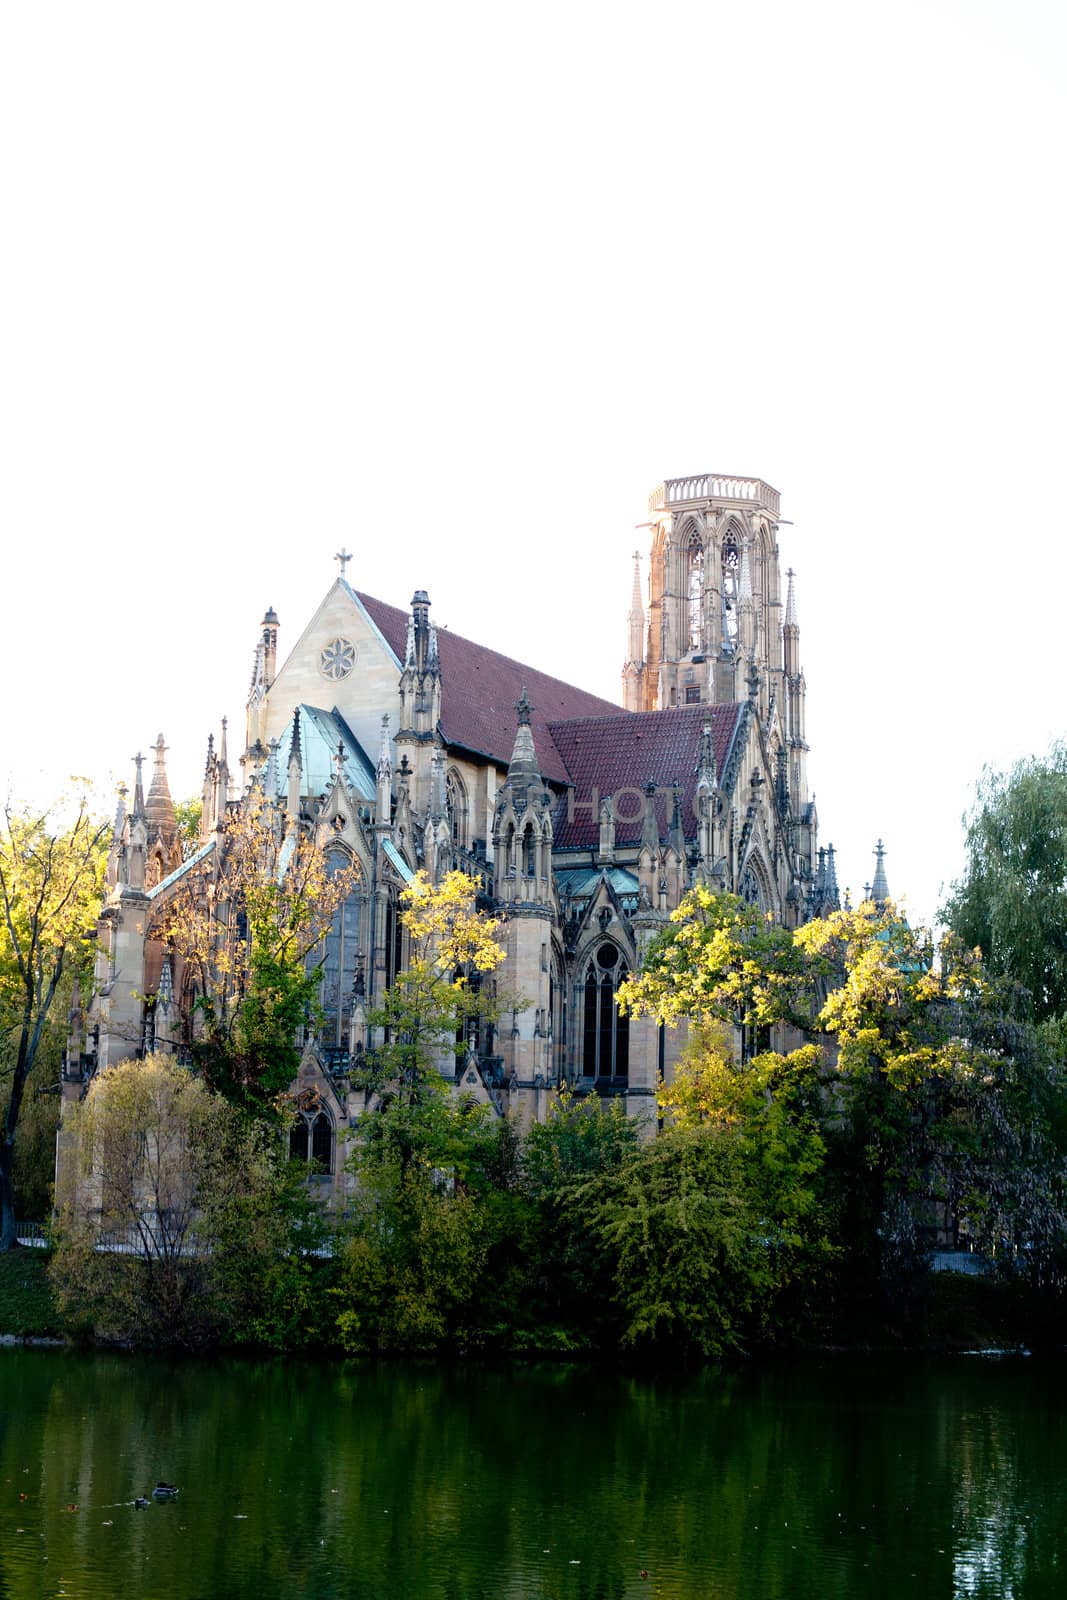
831	1479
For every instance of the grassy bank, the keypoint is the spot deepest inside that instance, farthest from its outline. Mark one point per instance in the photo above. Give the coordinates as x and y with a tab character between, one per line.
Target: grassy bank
26	1305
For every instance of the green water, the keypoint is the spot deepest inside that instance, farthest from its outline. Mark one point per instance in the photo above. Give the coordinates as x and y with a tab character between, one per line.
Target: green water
826	1479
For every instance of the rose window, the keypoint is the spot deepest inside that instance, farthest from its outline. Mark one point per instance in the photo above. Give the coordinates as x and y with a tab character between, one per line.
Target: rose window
338	659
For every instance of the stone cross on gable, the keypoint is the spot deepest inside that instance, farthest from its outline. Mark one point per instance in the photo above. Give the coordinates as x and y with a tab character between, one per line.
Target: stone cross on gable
344	557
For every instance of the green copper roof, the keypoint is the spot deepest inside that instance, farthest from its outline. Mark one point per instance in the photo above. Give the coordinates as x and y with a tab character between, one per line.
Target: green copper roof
179	872
319	733
579	883
397	859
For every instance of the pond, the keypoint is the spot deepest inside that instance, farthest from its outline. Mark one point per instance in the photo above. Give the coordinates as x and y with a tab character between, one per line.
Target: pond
822	1478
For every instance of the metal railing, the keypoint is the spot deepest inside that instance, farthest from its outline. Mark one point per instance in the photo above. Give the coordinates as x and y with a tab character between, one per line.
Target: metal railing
34	1234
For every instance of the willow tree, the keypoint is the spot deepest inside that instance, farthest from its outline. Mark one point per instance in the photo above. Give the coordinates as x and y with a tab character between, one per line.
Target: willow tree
51	876
1011	900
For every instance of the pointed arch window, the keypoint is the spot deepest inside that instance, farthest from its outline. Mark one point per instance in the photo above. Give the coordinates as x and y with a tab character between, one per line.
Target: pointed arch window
311	1141
605	1034
751	888
456	809
340	954
694	589
394	938
731	580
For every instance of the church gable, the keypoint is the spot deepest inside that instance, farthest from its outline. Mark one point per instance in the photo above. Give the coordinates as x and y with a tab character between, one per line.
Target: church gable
341	661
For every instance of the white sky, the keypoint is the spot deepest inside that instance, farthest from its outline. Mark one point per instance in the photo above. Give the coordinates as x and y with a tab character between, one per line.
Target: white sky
458	284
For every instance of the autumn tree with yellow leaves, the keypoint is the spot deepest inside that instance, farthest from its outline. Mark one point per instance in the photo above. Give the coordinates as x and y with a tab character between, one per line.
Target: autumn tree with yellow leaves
247	921
51	873
916	1099
446	982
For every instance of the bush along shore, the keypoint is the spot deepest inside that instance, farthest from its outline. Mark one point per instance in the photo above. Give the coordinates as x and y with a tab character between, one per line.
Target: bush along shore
943	1312
790	1196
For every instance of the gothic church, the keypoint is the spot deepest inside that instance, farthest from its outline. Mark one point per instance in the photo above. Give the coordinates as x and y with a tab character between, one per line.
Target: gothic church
405	747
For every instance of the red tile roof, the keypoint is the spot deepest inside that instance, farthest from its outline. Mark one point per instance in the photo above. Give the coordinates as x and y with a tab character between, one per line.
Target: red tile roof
605	756
480	690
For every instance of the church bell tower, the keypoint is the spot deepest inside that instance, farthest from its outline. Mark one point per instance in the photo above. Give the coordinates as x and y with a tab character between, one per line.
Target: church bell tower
714	593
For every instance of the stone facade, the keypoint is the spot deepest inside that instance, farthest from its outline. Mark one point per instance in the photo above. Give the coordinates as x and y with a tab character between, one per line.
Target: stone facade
584	822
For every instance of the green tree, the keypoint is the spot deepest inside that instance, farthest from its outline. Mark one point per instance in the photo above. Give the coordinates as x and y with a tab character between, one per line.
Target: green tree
917	1102
51	875
569	1289
690	1262
1011	900
452	948
433	1168
188	814
411	1264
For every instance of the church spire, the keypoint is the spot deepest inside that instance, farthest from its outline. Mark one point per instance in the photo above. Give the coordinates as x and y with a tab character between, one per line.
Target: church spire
270	777
116	857
650	821
294	769
676	836
523	769
707	776
159	807
136	832
633	672
269	626
791	631
223	779
383	784
880	886
138	787
790	601
636	618
833	899
420	617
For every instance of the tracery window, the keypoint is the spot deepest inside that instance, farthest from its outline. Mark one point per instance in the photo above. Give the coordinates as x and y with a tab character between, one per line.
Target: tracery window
340	955
311	1140
456	809
605	1034
394	941
751	889
695	593
731	577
